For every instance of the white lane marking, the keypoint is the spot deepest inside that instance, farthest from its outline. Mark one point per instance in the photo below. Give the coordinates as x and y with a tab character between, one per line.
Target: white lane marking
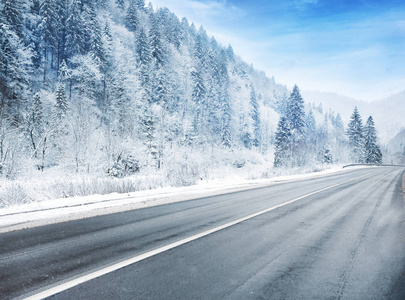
74	282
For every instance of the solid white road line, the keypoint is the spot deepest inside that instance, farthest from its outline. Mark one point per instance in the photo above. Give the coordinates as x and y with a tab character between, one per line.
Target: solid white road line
74	282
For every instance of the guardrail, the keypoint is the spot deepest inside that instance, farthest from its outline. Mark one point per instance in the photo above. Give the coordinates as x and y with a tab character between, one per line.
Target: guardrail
377	165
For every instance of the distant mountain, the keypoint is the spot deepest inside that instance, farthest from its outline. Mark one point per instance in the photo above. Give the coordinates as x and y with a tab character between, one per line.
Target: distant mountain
387	113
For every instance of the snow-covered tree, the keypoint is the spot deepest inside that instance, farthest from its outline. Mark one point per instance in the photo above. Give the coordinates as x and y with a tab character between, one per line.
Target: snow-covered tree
356	137
61	102
282	154
12	13
132	18
155	37
373	152
295	116
144	54
255	117
15	69
48	27
74	31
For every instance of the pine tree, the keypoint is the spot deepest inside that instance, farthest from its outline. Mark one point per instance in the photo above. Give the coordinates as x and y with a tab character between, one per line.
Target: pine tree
33	38
311	134
282	154
144	57
230	54
15	69
373	154
356	137
255	117
160	90
96	43
295	115
48	30
295	112
226	135
61	102
74	31
155	37
198	96
61	9
132	18
149	130
13	16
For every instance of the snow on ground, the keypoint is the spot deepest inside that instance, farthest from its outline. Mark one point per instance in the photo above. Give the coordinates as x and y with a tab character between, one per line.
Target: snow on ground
60	210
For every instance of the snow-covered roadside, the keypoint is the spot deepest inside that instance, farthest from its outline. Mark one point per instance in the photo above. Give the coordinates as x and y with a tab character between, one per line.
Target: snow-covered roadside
66	209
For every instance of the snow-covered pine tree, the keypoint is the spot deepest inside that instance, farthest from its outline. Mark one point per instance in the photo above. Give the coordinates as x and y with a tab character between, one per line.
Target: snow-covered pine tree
356	137
15	69
255	117
373	154
226	116
148	123
74	31
230	54
61	102
295	115
96	43
132	18
61	8
49	32
311	135
198	96
282	144
13	11
155	37
144	57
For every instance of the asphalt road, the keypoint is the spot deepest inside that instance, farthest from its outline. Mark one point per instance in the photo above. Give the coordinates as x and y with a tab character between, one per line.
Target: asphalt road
344	240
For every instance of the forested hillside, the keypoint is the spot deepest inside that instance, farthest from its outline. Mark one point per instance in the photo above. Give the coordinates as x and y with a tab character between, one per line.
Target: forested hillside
117	88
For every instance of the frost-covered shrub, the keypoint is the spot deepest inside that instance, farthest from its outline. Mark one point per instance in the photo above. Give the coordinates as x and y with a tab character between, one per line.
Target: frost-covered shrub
240	163
124	166
13	193
182	175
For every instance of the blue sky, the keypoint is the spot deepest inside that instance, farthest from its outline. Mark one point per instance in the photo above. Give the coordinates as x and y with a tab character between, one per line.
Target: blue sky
354	48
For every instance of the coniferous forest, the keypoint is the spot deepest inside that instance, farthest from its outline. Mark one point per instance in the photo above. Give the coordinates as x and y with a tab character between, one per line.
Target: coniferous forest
119	89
